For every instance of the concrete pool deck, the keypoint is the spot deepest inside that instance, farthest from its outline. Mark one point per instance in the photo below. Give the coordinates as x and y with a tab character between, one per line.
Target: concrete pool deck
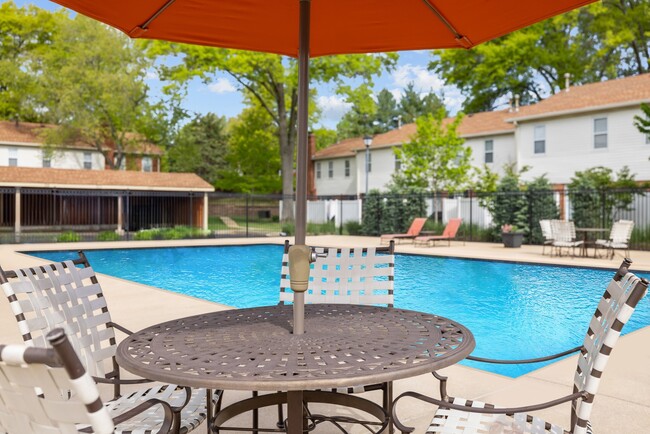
622	405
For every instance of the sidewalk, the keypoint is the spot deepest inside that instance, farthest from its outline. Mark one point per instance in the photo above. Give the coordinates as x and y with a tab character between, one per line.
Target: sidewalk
621	407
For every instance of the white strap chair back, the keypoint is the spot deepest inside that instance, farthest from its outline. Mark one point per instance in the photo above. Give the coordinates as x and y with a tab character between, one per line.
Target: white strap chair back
31	381
563	231
360	275
63	295
621	231
547	229
614	310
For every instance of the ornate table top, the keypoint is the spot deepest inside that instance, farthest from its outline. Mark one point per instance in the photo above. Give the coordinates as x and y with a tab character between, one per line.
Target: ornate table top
254	349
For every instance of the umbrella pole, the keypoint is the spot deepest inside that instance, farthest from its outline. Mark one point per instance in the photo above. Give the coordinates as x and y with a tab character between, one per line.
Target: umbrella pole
302	159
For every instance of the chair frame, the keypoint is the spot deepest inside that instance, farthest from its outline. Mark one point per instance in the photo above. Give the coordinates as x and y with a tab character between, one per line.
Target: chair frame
67	294
616	306
564	236
55	371
547	232
619	238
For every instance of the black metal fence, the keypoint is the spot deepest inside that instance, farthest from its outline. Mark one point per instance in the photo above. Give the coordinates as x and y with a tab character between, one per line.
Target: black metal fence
50	215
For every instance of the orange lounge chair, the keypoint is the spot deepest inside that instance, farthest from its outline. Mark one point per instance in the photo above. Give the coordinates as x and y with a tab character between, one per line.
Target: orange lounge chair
414	231
448	234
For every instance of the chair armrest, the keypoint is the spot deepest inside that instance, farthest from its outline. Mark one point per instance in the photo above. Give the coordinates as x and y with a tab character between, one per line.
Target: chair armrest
120	328
485	410
168	422
105	380
517	362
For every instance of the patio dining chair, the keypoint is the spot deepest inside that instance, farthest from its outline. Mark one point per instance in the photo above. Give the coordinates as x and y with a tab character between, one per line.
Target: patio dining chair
564	237
360	275
547	234
34	398
458	415
619	238
68	295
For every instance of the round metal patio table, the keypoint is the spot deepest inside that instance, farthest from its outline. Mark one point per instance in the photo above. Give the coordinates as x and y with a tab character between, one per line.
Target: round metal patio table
254	349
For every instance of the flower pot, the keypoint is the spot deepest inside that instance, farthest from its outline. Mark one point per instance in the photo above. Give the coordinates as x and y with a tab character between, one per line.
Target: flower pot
512	239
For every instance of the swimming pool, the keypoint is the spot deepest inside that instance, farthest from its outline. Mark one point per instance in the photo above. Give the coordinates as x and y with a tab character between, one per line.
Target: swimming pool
514	310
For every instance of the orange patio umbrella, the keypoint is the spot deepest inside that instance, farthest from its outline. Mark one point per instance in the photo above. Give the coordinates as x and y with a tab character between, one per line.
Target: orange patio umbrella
311	28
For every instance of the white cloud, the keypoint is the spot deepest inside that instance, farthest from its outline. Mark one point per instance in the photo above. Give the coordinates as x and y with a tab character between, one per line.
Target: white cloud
424	80
222	85
151	75
332	108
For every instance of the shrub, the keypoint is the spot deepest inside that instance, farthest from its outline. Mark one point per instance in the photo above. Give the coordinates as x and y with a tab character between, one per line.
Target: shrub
353	228
68	237
288	229
108	236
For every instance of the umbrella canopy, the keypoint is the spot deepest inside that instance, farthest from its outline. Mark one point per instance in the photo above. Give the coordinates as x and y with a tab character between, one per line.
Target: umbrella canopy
337	26
292	28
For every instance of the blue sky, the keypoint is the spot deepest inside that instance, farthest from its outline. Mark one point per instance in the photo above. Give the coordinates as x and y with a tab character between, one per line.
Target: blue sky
222	97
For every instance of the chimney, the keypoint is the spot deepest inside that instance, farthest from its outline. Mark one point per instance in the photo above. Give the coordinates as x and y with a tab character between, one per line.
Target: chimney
516	102
567	81
311	150
399	122
510	105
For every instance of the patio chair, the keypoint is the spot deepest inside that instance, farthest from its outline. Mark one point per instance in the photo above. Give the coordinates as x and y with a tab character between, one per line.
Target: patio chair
619	238
360	275
448	234
68	295
564	237
456	415
414	231
547	233
34	396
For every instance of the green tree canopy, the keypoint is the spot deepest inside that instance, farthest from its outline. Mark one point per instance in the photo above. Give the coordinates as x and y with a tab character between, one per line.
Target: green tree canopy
607	39
643	122
412	105
270	81
92	84
253	156
435	158
200	148
25	34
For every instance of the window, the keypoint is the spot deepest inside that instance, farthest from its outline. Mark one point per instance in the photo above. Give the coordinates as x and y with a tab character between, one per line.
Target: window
330	169
600	133
147	164
13	157
489	151
540	139
318	170
347	168
88	160
398	164
47	162
369	162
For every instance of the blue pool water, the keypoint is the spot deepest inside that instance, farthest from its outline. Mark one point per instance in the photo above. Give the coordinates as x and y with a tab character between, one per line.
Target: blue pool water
514	310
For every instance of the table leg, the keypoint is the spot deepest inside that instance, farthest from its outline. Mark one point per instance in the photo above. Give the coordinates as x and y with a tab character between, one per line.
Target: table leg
295	412
208	408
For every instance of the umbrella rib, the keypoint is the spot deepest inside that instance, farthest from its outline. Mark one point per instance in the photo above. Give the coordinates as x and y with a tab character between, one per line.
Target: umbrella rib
462	39
156	14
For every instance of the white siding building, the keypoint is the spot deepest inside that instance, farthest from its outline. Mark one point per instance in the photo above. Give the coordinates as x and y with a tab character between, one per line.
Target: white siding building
587	126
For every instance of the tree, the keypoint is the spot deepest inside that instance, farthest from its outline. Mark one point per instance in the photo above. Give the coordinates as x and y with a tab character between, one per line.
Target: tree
253	157
272	82
412	105
24	34
200	148
541	205
597	197
324	138
92	82
361	119
436	158
387	111
603	40
643	122
510	206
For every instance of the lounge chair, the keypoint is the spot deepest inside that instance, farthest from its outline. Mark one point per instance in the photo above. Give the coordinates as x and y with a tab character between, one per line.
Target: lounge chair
360	275
414	231
447	235
564	237
547	233
64	295
48	390
619	238
456	415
